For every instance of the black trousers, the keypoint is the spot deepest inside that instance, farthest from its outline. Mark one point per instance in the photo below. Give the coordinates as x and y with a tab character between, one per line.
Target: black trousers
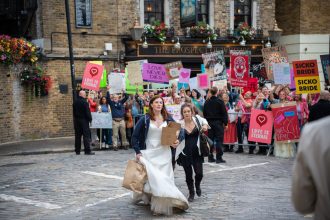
81	128
216	134
188	170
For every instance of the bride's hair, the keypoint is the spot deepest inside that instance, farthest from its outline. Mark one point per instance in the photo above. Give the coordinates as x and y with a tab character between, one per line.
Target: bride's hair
163	111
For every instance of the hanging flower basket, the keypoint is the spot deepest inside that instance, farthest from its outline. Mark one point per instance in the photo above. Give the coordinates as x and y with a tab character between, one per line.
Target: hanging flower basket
244	30
203	30
156	30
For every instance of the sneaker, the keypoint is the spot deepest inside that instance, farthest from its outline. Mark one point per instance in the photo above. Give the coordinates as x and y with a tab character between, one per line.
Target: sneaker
220	161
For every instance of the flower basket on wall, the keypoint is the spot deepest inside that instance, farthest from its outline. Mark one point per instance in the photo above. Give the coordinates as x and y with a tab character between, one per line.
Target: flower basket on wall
156	30
202	30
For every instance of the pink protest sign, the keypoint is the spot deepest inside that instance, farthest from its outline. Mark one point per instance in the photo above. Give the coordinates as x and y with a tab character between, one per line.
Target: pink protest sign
154	73
293	83
184	75
261	126
92	76
203	81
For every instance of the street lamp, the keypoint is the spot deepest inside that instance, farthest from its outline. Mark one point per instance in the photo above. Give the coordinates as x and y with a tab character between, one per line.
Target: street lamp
275	34
145	43
209	44
177	45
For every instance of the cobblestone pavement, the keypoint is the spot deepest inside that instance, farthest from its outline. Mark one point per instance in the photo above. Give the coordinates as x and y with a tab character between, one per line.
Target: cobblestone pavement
67	186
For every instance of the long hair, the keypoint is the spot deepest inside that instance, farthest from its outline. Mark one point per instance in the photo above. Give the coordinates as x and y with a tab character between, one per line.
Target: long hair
106	101
163	111
188	105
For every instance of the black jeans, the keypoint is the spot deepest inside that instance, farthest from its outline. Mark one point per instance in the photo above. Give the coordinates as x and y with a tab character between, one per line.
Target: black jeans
188	170
216	134
81	127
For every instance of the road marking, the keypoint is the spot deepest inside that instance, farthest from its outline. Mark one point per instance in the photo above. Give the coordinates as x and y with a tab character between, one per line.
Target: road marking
103	175
215	165
237	168
45	205
18	183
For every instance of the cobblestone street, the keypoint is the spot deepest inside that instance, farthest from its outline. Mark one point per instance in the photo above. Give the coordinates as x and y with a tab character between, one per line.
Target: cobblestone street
66	186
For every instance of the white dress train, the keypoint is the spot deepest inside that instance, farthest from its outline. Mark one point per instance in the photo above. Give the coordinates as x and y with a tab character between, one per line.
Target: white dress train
160	190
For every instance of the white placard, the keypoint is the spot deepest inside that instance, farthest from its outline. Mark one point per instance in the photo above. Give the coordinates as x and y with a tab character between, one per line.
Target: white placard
117	82
220	84
101	120
193	83
281	73
174	111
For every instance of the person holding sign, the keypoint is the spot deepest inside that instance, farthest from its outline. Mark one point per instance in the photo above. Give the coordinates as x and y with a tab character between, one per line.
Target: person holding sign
106	133
118	122
159	190
190	157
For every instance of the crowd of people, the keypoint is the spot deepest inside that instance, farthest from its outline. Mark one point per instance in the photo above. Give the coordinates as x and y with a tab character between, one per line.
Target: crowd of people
223	114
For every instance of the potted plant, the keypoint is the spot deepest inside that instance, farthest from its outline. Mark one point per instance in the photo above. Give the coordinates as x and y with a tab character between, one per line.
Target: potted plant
245	31
156	30
203	30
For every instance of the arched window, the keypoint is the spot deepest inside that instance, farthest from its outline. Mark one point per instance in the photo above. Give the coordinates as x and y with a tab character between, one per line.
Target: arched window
153	10
242	12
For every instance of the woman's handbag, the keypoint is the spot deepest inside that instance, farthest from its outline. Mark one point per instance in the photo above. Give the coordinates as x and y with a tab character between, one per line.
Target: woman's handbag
204	141
135	176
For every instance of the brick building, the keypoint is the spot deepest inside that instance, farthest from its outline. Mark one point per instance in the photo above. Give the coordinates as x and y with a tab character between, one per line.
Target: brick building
98	25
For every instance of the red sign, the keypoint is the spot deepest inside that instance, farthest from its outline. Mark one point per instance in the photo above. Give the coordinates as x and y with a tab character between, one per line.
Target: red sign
239	66
286	122
252	85
261	126
305	68
92	76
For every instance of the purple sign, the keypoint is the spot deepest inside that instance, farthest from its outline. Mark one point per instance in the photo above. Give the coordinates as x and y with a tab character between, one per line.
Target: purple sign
292	84
154	73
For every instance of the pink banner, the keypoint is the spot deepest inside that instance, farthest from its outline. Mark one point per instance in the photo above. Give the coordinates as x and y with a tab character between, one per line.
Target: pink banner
184	75
203	81
92	76
239	67
261	126
293	83
286	122
154	73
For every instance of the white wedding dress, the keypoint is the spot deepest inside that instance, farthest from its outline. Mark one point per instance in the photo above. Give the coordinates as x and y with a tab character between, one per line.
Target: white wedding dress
160	190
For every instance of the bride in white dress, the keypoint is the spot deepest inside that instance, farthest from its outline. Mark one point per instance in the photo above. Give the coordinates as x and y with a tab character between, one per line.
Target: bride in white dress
160	190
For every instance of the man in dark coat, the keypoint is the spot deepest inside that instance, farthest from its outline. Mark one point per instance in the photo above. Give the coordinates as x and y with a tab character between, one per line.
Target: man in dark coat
321	109
216	115
82	118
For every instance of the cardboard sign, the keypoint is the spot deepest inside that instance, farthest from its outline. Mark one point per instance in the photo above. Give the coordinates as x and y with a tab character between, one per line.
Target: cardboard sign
286	122
184	75
239	66
117	82
203	81
130	89
274	55
134	69
169	133
101	120
220	84
154	73
215	65
306	76
305	68
174	111
281	73
325	61
92	76
309	85
261	126
173	69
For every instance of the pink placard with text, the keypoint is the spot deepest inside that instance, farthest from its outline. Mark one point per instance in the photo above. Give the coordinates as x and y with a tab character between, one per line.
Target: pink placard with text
203	81
92	76
261	126
184	75
156	73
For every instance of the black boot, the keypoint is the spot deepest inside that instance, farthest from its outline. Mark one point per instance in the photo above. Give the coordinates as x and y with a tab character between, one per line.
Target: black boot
191	192
219	159
211	158
239	150
198	189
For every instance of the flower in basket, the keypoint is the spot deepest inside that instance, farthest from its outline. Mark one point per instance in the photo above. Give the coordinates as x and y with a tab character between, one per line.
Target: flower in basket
35	78
246	31
16	50
156	30
203	30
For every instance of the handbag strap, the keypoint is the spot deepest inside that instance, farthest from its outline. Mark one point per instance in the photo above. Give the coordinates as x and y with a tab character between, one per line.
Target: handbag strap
198	124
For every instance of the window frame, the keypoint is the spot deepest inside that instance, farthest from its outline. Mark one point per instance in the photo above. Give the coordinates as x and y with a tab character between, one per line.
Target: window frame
244	15
155	13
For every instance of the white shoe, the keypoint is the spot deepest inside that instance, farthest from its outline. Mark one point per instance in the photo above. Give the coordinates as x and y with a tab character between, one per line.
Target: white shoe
106	146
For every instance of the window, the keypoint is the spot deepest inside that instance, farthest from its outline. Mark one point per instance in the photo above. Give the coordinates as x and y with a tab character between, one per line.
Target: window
153	10
203	11
242	12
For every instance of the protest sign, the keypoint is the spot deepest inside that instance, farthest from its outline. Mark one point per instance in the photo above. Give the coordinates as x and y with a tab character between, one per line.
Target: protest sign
274	55
174	111
281	73
241	53
239	66
154	73
103	82
169	133
325	61
193	83
92	76
286	122
203	81
203	68
252	85
261	126
259	70
101	120
292	82
220	84
183	85
168	100
173	69
116	82
145	109
134	69
215	65
130	89
306	76
184	75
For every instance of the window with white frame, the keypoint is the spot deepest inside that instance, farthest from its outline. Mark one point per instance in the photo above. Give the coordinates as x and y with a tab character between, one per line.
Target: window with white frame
242	12
153	11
